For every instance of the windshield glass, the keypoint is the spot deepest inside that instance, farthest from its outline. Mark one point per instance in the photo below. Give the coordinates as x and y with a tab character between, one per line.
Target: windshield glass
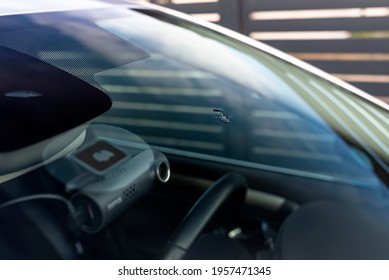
203	94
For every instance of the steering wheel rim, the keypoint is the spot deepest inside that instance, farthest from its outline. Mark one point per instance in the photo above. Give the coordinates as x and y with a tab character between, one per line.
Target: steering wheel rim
231	185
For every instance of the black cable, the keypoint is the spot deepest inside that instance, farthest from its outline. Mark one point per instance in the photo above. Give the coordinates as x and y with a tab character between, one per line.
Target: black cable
29	198
79	216
76	215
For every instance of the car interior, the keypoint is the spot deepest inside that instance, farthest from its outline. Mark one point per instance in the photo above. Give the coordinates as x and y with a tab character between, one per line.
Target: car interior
175	207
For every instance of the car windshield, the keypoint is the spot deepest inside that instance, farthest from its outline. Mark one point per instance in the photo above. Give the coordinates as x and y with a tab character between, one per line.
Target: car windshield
208	96
192	91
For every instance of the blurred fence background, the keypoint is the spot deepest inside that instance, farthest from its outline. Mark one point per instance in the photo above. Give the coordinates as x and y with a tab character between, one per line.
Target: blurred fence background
347	38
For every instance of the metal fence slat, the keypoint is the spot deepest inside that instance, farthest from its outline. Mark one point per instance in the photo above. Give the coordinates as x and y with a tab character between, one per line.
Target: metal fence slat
349	46
278	5
351	24
353	67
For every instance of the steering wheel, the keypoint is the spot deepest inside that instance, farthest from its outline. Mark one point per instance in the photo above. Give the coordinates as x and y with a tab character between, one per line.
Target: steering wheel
229	189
